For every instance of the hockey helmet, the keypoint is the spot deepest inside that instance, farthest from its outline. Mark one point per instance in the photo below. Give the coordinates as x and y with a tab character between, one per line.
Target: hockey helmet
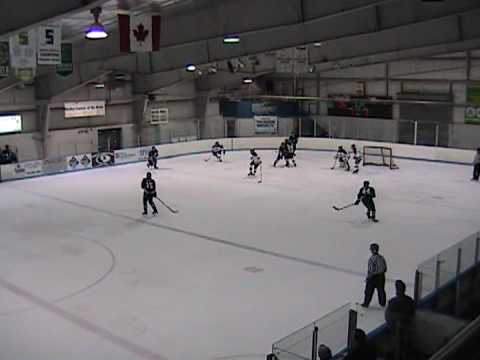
252	151
366	183
149	175
374	247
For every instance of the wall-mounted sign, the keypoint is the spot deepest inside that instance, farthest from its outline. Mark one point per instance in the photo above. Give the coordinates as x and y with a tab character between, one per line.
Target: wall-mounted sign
158	116
10	123
49	45
266	124
84	109
472	113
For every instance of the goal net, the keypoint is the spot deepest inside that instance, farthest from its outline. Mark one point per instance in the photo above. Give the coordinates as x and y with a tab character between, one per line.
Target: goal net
379	156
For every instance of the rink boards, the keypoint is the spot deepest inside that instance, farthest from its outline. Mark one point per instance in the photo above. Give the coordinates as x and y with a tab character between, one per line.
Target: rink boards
86	161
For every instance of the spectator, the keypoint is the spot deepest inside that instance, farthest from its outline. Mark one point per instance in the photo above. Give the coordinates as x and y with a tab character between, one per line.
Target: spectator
324	352
377	267
361	349
399	314
476	166
8	156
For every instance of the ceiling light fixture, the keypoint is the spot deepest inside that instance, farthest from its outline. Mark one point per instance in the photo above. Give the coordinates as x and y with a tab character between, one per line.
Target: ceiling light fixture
190	68
231	39
96	31
248	80
317	44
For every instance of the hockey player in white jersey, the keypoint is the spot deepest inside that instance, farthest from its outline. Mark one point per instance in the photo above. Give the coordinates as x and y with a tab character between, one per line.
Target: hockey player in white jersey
357	158
342	157
255	162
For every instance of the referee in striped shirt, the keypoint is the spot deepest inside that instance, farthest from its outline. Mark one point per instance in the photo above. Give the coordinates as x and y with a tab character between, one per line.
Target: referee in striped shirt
377	267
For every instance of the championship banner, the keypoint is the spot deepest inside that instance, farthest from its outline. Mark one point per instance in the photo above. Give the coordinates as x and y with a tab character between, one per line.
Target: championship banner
84	109
23	50
472	113
266	124
79	162
66	67
4	59
49	45
22	170
100	159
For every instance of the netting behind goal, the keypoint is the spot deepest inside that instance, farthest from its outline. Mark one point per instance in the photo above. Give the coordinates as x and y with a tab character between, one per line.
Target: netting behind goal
378	155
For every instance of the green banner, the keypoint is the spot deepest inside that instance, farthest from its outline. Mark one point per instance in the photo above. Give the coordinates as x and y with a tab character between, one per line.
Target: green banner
472	113
4	59
66	67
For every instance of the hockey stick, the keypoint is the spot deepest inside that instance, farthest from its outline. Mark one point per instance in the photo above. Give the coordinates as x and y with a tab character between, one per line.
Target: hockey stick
334	164
166	205
343	207
261	175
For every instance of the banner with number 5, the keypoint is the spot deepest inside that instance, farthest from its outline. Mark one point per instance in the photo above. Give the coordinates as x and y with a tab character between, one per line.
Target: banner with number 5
49	45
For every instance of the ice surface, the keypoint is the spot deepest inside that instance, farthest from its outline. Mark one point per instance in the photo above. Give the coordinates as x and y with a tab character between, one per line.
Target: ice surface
84	275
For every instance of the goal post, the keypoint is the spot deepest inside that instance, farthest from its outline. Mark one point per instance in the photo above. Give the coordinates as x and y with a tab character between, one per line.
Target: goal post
378	156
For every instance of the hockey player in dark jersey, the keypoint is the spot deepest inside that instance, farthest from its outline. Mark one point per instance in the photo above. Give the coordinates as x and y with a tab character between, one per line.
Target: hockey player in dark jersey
218	150
366	196
149	193
293	140
290	153
357	158
281	152
255	162
152	158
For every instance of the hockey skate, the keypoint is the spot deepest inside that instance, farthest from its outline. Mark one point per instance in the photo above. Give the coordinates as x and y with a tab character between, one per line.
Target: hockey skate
145	213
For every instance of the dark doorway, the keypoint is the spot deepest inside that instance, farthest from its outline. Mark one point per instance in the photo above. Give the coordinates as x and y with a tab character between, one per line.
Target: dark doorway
109	140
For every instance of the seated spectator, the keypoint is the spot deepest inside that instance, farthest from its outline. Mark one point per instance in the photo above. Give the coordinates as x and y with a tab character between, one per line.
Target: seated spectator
362	349
324	352
8	156
401	308
399	314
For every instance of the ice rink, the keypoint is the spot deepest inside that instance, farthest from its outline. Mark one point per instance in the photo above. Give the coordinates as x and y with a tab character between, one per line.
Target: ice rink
83	275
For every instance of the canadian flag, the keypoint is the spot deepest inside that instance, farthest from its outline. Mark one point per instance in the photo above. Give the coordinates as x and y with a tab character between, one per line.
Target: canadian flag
139	33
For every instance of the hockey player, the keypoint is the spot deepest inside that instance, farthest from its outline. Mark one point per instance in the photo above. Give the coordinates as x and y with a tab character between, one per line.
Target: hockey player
281	153
342	157
255	162
290	153
476	166
366	196
152	158
149	192
357	158
218	150
293	140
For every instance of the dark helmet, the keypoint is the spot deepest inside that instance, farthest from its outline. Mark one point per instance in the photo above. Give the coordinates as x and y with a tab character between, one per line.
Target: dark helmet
353	146
153	147
374	247
252	151
340	147
149	175
324	352
366	183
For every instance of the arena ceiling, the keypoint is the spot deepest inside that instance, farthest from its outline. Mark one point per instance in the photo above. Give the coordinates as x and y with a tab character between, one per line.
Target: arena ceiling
352	32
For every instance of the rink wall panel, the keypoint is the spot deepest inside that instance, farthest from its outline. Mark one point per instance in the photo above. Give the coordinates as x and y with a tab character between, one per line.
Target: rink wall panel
400	151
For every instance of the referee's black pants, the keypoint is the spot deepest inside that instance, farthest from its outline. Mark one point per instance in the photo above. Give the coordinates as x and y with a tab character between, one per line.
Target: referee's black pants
375	282
476	172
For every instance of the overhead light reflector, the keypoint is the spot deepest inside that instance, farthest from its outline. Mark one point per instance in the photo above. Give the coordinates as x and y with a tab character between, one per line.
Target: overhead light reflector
248	80
96	31
190	68
231	39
